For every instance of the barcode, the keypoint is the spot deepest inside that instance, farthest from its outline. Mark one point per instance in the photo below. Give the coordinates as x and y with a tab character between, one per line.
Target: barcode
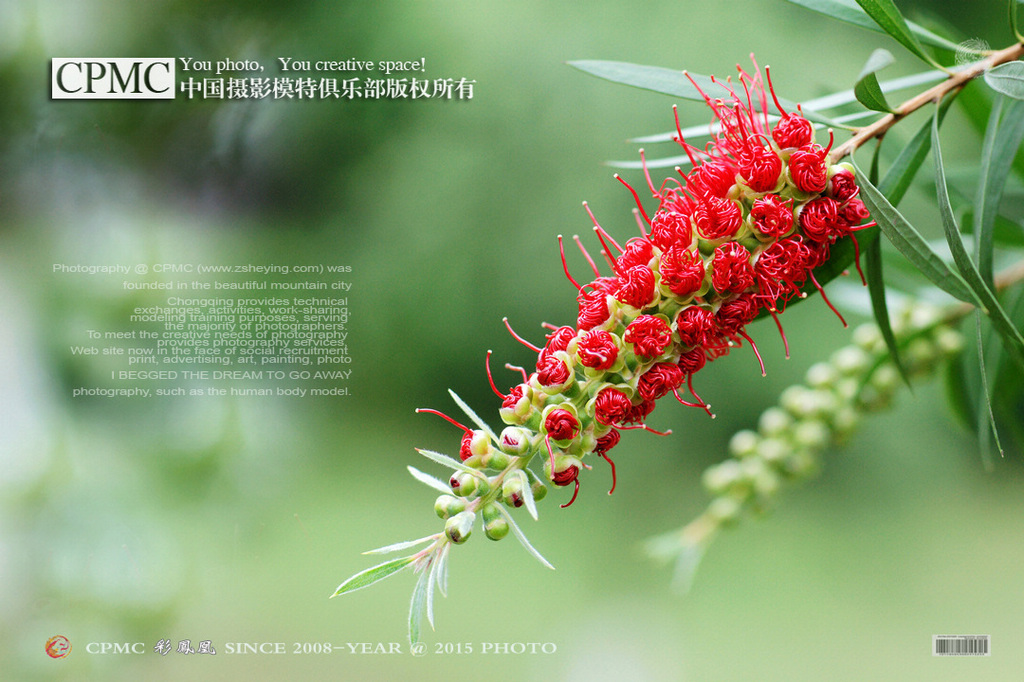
960	645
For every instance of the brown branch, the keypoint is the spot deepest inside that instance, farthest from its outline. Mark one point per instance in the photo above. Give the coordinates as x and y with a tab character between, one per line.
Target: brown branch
956	80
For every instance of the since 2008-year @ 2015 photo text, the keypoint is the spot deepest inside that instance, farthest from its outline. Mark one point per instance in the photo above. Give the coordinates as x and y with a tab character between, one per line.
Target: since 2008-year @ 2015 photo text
248	330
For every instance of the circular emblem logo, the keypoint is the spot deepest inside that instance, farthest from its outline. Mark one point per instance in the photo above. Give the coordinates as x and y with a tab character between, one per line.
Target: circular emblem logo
58	646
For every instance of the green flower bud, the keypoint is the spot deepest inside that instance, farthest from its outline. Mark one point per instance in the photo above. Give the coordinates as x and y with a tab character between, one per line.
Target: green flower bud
822	375
539	490
463	484
851	360
725	510
868	337
446	506
512	488
773	450
885	379
490	512
722	477
496	459
949	341
774	421
811	434
459	527
514	441
496	529
921	354
743	444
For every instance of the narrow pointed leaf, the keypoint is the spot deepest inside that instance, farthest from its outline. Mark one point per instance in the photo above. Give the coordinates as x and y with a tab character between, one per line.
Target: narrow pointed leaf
528	501
480	423
401	545
886	15
670	82
427	479
442	570
867	89
419	598
910	243
901	174
522	538
985	403
1007	79
1002	140
431	584
373	575
446	461
876	290
987	301
848	11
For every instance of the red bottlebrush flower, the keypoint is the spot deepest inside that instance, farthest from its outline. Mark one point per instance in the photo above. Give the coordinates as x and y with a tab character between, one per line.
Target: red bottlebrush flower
842	186
819	219
854	212
515	394
682	271
593	309
638	413
638	252
761	168
717	218
711	179
793	131
662	378
565	477
464	447
552	371
611	406
597	350
558	340
692	361
649	335
780	270
808	167
636	288
607	442
730	269
734	315
772	216
696	326
561	425
670	227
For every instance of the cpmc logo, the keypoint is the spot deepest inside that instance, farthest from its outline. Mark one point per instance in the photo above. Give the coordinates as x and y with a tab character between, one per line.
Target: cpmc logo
111	78
58	646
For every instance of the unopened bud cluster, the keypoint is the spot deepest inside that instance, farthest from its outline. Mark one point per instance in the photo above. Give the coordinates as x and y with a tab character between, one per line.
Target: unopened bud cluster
823	410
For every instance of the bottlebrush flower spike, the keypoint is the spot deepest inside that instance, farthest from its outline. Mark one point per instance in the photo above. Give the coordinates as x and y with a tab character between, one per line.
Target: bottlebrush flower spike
739	234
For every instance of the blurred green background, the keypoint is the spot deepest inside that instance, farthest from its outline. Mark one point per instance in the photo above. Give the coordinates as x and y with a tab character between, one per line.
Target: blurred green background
233	520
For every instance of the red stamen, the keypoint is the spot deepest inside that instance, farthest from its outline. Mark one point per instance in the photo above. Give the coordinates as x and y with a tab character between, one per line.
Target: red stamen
608	459
825	298
640	223
680	140
645	427
756	352
490	379
565	266
574	493
643	162
593	266
551	453
601	234
519	338
517	368
442	415
636	197
778	324
771	89
856	260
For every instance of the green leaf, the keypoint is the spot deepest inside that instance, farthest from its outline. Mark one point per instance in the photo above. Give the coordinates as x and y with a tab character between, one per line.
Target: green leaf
867	90
1002	140
876	290
1013	19
846	10
671	82
522	538
1012	339
910	243
435	483
886	15
480	423
402	545
447	461
419	600
1007	79
985	403
374	574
